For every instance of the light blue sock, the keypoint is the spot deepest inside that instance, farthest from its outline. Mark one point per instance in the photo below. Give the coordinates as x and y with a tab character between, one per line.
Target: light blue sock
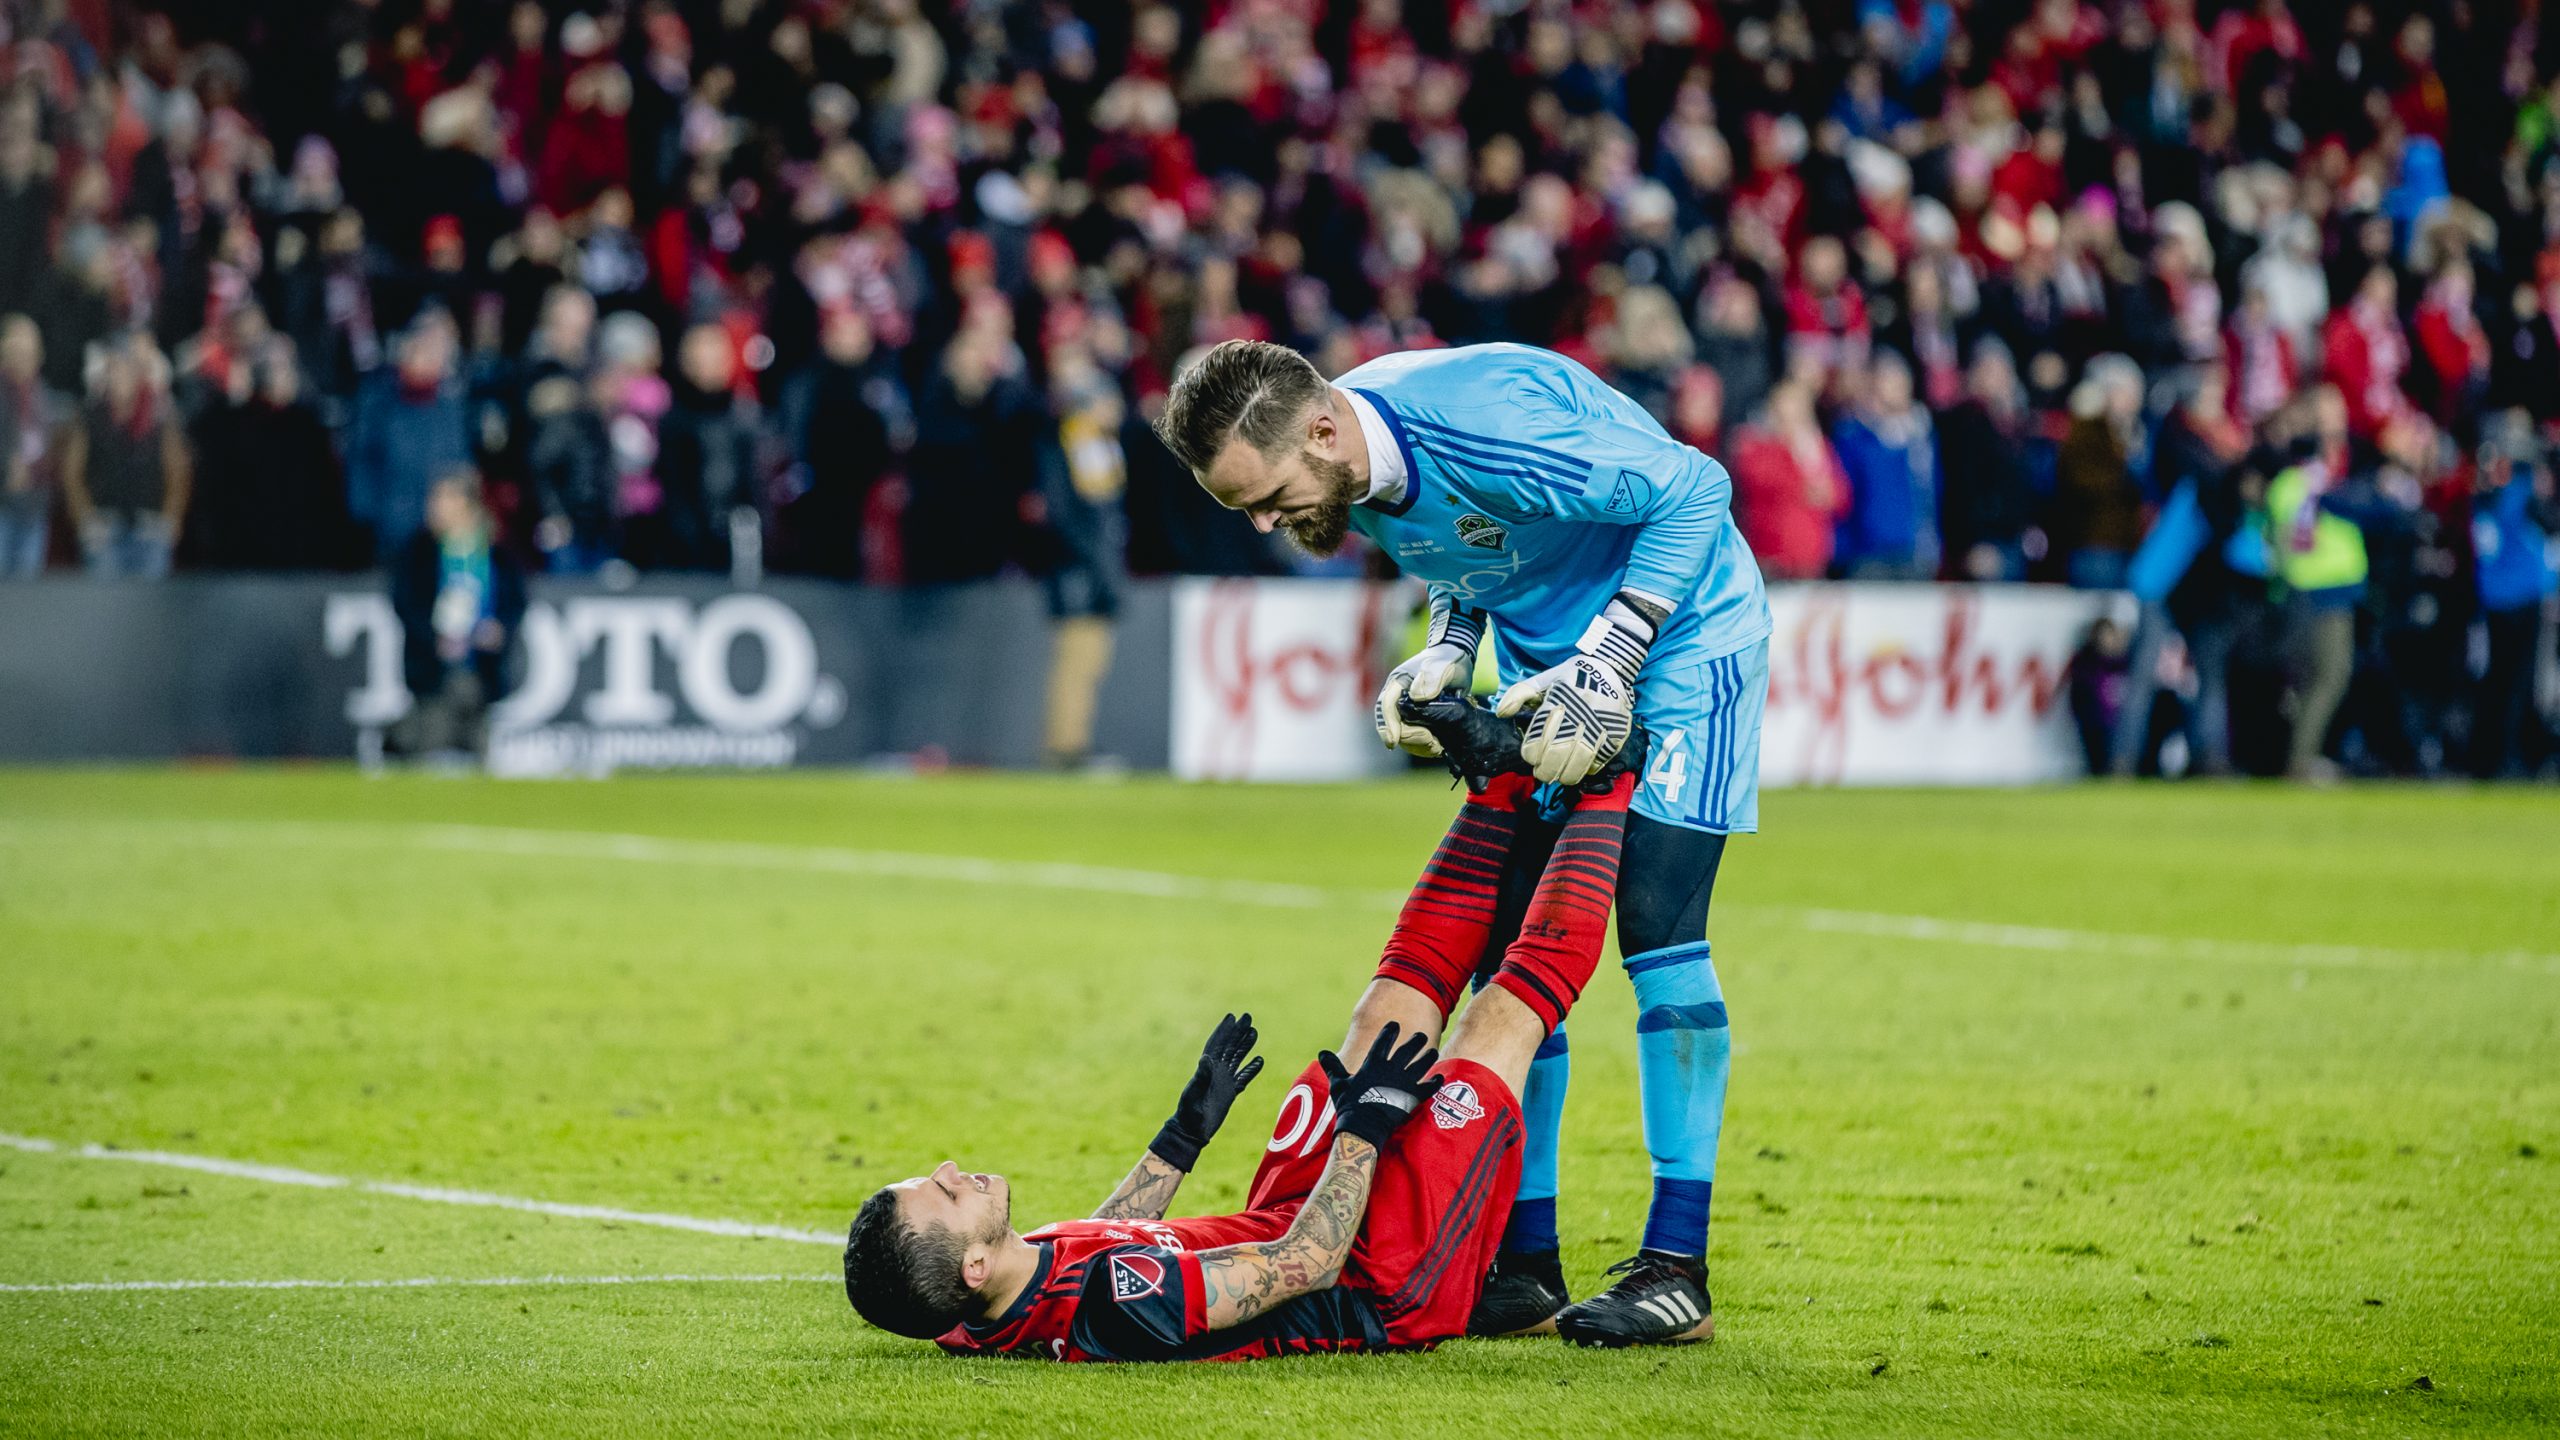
1684	1053
1532	1228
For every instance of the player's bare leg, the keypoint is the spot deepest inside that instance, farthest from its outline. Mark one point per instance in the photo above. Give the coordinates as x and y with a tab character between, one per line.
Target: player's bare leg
1388	1002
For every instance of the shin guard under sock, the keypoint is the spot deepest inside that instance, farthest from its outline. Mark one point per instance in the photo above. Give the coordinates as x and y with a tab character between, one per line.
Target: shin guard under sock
1684	1054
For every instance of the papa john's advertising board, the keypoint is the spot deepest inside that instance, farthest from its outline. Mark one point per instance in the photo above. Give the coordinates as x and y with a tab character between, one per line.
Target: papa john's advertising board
1923	684
1274	679
1868	684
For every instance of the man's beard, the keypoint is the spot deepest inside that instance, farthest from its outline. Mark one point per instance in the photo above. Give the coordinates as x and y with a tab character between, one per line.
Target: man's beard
1321	534
998	1225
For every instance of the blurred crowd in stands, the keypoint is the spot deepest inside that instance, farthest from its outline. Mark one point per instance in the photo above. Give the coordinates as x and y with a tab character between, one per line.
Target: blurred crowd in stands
2244	305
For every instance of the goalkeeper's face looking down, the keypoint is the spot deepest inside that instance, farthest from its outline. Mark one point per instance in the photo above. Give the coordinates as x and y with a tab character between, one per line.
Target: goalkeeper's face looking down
919	1250
1266	435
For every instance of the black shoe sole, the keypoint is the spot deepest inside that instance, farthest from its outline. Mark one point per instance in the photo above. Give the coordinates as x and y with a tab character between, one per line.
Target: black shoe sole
1619	1340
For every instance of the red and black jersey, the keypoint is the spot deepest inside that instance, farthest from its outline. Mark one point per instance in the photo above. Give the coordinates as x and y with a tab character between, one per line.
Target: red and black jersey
1131	1290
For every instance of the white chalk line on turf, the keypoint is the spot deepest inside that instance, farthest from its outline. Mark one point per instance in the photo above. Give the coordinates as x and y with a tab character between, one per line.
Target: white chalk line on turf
437	1194
747	855
422	1282
1166	885
2143	947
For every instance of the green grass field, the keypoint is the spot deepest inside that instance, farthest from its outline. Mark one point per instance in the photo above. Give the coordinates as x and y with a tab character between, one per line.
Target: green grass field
2108	1110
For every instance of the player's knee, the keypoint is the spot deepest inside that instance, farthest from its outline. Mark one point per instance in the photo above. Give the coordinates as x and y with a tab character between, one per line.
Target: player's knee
1664	886
1386	1000
1649	921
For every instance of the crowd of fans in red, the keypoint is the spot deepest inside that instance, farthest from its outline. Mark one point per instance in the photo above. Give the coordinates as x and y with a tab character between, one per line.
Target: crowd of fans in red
1970	289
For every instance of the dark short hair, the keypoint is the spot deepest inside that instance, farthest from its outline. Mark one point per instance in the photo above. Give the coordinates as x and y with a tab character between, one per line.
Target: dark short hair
901	1278
1252	390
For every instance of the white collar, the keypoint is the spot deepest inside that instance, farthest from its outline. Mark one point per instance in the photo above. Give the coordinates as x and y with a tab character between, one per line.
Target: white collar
1386	457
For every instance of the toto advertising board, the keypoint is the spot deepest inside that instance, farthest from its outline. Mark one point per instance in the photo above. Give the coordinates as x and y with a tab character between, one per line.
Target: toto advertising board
676	672
613	681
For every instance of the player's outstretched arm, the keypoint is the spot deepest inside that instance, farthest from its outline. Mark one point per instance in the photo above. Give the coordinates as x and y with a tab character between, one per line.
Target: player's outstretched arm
1223	1072
1145	1193
1244	1281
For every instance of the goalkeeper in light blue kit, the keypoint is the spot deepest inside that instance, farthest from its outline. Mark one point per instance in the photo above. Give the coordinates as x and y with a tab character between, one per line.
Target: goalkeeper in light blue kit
1601	553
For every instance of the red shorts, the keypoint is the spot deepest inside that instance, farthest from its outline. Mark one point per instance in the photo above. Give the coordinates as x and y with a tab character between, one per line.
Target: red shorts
1437	1208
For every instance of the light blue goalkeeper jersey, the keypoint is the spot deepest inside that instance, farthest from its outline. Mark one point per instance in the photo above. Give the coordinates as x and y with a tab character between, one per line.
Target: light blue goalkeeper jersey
1535	492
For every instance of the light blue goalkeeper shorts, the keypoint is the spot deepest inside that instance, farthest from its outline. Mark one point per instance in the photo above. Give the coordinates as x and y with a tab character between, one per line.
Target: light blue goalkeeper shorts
1704	769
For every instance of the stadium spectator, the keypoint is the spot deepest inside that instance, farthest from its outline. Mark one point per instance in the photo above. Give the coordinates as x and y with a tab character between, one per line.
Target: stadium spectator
73	304
1888	448
710	465
847	419
565	456
410	427
1083	474
2365	353
460	599
968	474
32	417
2515	515
2097	507
126	472
1988	506
630	399
1788	490
2320	556
2183	578
269	494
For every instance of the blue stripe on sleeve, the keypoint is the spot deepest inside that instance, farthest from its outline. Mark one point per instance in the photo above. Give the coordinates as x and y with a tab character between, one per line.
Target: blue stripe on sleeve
1554	457
1455	459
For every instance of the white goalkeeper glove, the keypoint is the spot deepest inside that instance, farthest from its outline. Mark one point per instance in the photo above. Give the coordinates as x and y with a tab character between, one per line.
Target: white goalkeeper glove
1583	710
1447	663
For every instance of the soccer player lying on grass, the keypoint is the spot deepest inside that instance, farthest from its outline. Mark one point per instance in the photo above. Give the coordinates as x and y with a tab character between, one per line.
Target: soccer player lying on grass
1382	1192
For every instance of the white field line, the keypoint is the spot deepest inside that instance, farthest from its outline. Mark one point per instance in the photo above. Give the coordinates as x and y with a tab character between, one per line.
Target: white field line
738	854
2146	947
1166	885
437	1194
423	1282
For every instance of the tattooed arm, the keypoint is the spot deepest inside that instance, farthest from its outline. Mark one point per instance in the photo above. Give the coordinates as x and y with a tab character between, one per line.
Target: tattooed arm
1244	1281
1146	1194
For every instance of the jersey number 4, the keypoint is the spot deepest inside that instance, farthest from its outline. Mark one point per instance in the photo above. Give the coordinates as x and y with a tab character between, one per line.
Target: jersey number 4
1669	771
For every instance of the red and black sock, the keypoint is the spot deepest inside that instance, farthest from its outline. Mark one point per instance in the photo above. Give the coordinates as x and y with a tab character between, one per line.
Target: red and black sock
1448	919
1568	918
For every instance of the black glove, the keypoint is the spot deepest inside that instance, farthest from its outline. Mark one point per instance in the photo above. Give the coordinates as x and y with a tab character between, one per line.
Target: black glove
1221	1076
1389	1087
1478	744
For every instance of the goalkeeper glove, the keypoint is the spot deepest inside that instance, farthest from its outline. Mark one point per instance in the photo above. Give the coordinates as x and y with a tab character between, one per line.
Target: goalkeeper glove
1220	1077
1447	662
1581	712
1388	1087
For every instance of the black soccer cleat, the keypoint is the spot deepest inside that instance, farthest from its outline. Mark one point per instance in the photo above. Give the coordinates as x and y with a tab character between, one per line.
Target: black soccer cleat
1662	1300
1521	1295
